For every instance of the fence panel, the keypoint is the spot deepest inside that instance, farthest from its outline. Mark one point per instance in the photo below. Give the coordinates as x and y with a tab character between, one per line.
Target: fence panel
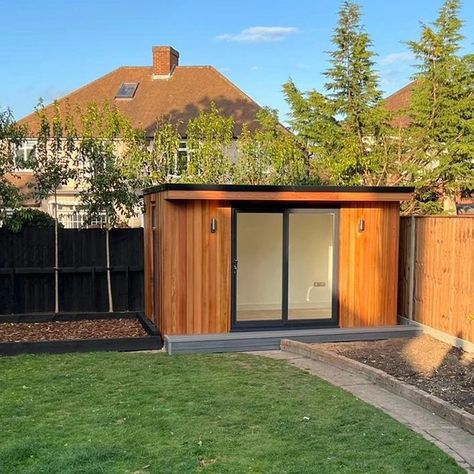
27	270
443	273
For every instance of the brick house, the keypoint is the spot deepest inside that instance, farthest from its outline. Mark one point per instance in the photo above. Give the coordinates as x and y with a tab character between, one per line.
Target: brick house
145	95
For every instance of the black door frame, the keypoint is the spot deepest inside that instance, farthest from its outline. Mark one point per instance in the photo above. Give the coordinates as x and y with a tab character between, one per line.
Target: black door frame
284	322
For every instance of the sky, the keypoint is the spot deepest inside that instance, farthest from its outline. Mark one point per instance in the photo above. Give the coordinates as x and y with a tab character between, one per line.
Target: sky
51	47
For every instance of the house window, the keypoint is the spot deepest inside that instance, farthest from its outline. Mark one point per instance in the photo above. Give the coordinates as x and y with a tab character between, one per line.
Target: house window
71	217
25	154
182	159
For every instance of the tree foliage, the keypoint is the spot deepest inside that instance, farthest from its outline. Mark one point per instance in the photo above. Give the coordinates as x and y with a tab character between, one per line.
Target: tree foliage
27	217
345	129
270	154
166	163
210	137
53	162
441	112
11	136
106	193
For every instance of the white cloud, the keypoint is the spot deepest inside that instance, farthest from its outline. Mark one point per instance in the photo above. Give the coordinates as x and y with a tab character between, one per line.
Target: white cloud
255	68
394	58
260	34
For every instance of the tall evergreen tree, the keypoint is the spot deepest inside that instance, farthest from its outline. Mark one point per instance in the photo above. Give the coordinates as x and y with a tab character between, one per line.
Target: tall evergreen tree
352	81
442	128
346	129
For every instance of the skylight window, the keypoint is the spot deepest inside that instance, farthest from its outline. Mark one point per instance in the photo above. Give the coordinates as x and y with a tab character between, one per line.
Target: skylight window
127	90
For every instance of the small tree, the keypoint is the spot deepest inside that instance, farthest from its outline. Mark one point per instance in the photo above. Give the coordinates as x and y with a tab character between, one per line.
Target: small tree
11	136
210	136
271	154
107	195
53	167
155	163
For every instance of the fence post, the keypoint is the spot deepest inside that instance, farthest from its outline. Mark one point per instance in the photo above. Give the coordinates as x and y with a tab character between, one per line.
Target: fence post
411	275
12	290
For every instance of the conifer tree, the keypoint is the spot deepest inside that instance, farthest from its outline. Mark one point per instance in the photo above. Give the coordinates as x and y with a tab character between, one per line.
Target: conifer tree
346	129
441	112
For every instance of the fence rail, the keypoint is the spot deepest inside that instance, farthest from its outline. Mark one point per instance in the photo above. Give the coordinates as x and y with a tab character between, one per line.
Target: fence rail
27	270
436	279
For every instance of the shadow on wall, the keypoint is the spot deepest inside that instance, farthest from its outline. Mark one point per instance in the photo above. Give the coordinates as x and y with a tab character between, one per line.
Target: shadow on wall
241	111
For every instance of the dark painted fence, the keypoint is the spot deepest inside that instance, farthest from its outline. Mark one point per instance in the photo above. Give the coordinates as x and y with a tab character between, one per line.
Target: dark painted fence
27	270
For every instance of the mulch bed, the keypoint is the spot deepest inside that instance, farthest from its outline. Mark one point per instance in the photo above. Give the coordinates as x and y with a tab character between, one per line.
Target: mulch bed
431	365
66	330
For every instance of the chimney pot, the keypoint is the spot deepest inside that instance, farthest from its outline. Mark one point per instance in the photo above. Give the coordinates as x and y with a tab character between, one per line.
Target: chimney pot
165	59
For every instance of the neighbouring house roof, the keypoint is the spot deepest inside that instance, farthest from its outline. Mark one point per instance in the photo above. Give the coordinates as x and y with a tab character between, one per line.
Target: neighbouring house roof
397	103
178	95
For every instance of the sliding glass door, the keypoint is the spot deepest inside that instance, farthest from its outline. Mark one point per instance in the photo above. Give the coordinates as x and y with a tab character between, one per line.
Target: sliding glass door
284	268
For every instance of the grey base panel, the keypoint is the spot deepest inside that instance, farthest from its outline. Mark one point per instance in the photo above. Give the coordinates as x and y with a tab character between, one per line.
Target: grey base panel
270	340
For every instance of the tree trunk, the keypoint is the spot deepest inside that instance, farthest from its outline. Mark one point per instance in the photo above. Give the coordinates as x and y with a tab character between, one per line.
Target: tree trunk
56	254
109	276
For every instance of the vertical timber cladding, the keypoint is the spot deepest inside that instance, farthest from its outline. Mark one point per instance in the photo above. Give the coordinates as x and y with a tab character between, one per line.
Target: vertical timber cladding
194	267
368	271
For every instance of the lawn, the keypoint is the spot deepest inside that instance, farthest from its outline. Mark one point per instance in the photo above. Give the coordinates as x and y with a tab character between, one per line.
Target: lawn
152	413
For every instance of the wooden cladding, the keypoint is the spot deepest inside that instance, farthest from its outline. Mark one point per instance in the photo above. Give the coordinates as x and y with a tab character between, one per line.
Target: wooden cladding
191	287
368	256
294	196
441	273
188	267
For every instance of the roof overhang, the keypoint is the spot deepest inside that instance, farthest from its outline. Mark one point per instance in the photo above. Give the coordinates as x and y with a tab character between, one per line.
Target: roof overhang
237	192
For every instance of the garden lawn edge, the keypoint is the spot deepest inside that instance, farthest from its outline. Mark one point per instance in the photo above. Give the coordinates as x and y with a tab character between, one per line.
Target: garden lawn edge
455	415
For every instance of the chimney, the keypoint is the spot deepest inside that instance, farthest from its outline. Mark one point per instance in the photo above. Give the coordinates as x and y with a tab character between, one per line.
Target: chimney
165	59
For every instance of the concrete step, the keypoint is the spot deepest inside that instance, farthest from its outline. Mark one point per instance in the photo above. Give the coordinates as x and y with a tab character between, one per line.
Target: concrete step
270	340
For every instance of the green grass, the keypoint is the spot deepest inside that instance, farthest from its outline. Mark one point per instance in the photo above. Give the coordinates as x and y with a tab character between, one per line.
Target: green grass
151	413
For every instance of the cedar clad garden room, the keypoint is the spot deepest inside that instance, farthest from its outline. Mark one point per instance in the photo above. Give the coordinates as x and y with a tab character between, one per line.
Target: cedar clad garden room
234	258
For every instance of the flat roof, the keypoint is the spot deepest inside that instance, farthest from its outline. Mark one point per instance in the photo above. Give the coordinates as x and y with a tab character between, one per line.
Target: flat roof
245	192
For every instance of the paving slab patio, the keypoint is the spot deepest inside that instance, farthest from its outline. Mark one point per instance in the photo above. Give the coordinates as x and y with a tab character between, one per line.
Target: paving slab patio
456	442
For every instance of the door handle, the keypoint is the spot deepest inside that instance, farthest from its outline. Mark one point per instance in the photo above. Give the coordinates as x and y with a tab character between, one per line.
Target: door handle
235	266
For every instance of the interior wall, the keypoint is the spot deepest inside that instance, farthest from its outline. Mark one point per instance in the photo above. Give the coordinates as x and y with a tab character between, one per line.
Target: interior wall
260	254
310	260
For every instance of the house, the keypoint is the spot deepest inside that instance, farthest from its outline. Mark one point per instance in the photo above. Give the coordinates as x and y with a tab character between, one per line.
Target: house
397	102
146	95
225	262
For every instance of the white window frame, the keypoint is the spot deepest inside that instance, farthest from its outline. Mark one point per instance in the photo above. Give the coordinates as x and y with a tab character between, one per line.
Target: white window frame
26	147
72	217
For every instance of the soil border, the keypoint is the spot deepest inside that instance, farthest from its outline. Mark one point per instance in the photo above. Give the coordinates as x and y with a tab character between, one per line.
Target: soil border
153	341
432	403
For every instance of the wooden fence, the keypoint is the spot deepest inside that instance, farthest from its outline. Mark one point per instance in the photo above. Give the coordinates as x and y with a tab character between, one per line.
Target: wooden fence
27	270
436	279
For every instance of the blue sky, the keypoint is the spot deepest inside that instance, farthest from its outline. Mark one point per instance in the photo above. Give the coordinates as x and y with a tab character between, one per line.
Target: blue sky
50	47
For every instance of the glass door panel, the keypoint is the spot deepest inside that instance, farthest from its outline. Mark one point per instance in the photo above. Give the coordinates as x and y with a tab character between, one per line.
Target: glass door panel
310	265
258	262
